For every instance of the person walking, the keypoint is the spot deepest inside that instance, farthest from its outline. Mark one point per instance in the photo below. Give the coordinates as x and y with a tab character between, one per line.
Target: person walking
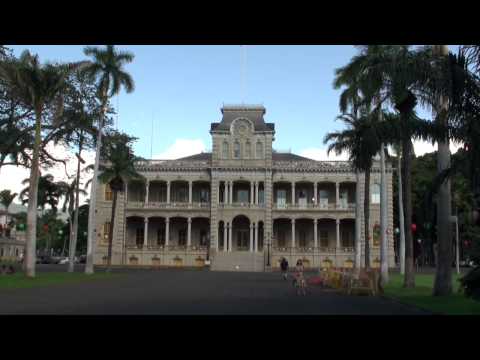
284	268
300	282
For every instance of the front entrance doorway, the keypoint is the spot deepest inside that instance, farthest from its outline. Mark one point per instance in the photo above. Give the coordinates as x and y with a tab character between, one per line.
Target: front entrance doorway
242	239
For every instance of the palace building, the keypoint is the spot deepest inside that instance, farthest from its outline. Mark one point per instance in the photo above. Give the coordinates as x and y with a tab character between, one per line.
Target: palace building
242	206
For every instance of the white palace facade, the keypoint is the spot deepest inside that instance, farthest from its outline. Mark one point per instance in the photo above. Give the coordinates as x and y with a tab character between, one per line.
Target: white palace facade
241	207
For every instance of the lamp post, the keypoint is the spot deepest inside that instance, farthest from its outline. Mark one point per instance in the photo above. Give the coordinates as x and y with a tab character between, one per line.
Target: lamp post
208	248
268	249
397	248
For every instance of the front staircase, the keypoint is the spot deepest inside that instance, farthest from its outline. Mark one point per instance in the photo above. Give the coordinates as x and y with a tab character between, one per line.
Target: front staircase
238	261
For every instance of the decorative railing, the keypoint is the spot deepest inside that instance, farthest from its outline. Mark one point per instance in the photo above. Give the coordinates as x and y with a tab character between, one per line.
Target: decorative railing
241	205
312	206
311	249
164	205
166	248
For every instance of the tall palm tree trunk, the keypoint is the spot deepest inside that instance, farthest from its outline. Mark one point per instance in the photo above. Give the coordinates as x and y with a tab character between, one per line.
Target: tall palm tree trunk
31	244
383	220
358	224
409	279
93	191
400	215
443	275
73	243
366	216
110	234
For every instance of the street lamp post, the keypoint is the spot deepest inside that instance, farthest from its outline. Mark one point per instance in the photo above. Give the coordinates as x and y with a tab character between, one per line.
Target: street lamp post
268	249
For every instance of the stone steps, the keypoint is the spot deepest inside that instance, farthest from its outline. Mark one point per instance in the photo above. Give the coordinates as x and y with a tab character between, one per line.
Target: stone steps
237	261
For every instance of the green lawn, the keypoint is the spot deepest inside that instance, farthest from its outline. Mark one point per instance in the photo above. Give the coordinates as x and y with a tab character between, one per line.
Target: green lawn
421	296
19	281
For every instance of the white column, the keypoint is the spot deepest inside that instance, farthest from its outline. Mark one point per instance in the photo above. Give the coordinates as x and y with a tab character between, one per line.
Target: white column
218	193
147	186
293	233
315	193
225	236
168	192
251	192
257	185
337	195
231	192
189	232
230	242
256	237
251	237
293	193
338	233
145	234
190	192
315	235
167	231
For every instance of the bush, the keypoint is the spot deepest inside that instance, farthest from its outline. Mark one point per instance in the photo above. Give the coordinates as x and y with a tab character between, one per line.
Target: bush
470	283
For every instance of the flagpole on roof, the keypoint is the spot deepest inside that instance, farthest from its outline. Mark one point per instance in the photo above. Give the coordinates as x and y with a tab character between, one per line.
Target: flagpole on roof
151	140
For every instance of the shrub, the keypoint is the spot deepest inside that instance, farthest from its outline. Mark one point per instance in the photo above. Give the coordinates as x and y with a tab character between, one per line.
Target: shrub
470	283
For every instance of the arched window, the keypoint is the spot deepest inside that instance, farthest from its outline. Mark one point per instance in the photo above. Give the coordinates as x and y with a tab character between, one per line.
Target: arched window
225	150
259	150
108	193
248	150
236	150
376	194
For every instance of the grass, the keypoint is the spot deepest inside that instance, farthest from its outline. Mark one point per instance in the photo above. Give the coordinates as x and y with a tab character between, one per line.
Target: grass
421	296
20	281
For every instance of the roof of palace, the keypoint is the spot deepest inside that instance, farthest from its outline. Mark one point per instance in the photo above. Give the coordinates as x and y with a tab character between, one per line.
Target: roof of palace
254	113
286	161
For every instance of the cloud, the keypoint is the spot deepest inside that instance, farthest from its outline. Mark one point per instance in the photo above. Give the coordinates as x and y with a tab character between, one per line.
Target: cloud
320	154
182	148
422	147
11	177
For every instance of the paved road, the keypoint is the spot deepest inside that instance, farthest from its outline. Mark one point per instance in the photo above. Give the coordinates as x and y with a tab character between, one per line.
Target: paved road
189	292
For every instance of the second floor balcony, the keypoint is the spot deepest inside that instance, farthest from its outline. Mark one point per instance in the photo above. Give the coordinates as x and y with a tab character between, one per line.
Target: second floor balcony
314	196
168	194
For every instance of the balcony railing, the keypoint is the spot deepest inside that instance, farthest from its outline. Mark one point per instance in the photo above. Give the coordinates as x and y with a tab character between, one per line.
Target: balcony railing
241	205
323	206
164	205
311	249
166	248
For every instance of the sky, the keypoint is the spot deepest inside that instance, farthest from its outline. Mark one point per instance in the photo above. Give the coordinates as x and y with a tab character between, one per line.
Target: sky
182	88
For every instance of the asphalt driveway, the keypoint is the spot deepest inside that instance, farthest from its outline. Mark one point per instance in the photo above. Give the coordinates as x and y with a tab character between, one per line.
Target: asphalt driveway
190	292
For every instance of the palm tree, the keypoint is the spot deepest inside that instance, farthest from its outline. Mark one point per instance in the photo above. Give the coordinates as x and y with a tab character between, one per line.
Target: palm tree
70	205
443	274
6	199
362	142
400	209
397	75
37	86
81	119
107	69
350	76
120	158
49	192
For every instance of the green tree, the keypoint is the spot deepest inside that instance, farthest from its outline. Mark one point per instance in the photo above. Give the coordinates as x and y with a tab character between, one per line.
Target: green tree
81	112
118	154
49	192
37	86
6	198
362	142
107	69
